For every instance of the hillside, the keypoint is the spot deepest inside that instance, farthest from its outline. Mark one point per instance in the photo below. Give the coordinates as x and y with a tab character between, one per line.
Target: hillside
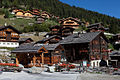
64	10
17	23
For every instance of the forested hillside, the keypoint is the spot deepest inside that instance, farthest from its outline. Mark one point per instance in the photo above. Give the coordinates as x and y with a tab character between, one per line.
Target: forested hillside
64	10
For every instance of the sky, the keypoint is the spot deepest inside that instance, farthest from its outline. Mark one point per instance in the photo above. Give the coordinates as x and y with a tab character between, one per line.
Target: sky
109	7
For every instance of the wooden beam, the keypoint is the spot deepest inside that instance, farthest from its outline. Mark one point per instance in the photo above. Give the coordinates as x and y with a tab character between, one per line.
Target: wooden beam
42	58
34	60
17	62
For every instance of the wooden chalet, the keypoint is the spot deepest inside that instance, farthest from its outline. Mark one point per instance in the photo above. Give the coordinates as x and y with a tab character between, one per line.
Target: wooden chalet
70	22
55	30
30	54
9	36
115	40
96	27
50	40
28	14
25	40
67	31
60	31
45	15
90	47
15	10
36	12
19	14
40	20
115	59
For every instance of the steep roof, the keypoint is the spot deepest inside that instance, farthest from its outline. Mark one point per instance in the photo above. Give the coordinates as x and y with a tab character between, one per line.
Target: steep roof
51	47
27	47
4	27
70	18
33	48
115	53
46	39
81	38
95	25
24	39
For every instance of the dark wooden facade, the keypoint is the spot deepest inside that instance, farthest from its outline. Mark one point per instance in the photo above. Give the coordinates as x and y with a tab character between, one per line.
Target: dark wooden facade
50	40
25	40
60	31
40	20
55	30
87	46
44	54
98	48
96	27
45	15
9	34
67	31
70	22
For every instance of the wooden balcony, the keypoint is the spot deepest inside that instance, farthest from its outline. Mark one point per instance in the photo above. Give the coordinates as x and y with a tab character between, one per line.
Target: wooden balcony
3	35
14	40
15	36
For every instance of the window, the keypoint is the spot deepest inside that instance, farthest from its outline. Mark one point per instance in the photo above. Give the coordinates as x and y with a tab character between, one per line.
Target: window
8	43
4	43
11	43
4	32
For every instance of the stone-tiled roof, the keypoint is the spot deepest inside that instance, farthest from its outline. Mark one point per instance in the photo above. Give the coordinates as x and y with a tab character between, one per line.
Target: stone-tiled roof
4	27
46	39
95	25
81	38
24	39
33	48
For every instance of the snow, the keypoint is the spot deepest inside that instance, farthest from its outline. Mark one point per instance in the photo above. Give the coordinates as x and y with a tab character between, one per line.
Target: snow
56	76
43	76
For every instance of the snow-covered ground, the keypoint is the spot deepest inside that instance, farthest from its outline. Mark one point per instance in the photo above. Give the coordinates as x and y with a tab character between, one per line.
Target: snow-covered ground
56	76
43	76
91	76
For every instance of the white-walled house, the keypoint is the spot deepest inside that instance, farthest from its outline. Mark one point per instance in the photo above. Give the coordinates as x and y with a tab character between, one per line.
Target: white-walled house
9	36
